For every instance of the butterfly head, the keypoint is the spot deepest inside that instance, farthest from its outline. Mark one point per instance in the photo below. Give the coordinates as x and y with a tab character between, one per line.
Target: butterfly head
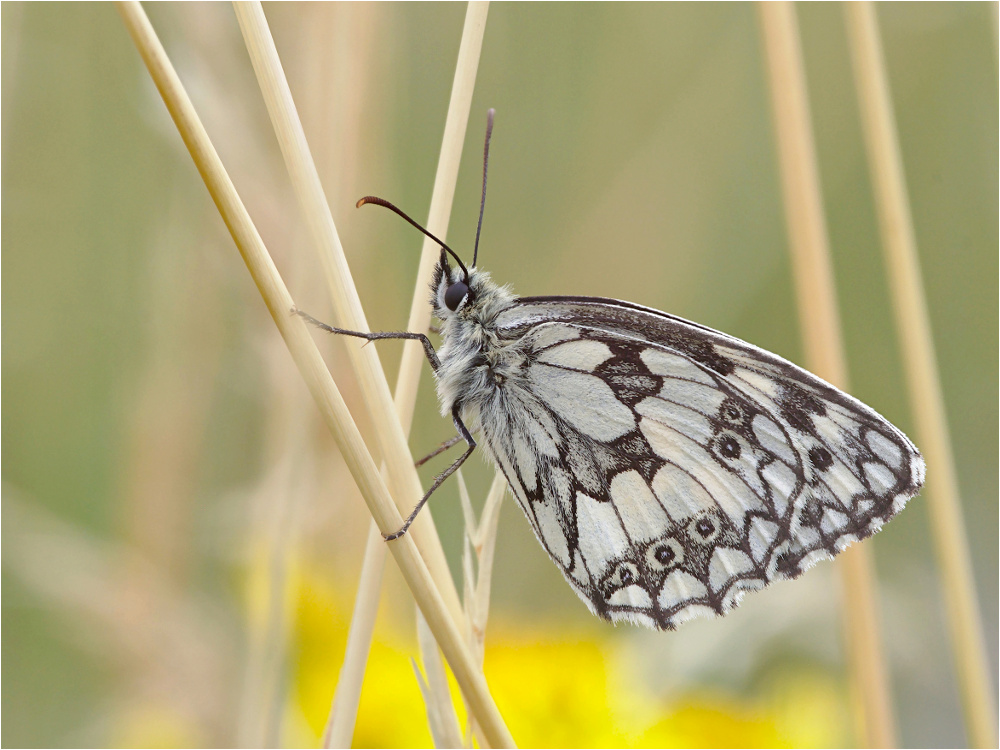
454	289
467	294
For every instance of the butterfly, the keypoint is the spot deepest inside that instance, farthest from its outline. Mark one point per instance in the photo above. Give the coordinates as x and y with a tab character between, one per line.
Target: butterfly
665	467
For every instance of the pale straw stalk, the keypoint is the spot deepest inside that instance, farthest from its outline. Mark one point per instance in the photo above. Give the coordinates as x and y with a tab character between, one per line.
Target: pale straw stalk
824	353
923	382
433	605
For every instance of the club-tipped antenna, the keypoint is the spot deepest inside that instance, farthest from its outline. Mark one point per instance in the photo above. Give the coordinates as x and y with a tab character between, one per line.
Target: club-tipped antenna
486	161
386	204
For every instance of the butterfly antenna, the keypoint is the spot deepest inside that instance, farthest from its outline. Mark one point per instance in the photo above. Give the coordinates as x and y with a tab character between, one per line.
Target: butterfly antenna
386	204
486	161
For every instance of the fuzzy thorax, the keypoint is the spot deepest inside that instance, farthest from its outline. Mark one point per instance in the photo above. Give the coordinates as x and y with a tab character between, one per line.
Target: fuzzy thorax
475	360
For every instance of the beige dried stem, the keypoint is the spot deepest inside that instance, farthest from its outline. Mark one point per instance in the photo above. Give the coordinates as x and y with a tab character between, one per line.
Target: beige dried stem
343	712
277	96
479	546
824	353
441	715
480	542
923	382
433	604
403	482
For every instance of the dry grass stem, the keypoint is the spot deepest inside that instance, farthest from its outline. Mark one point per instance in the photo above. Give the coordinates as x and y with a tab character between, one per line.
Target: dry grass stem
309	191
343	714
321	386
275	508
477	566
437	697
468	582
923	382
347	697
483	540
439	728
815	293
404	484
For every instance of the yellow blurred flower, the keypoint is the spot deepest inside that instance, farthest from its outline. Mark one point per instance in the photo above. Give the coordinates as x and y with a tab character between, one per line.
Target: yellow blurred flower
559	690
391	713
554	690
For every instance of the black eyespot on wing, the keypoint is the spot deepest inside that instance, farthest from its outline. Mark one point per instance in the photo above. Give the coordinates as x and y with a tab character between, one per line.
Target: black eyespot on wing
663	554
626	576
728	446
704	528
820	458
733	413
622	575
454	295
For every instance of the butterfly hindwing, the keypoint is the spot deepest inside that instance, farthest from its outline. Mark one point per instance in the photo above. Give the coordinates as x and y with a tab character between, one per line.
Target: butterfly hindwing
668	468
859	469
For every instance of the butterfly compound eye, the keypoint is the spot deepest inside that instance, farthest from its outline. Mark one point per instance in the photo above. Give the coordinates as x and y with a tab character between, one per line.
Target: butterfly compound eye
454	295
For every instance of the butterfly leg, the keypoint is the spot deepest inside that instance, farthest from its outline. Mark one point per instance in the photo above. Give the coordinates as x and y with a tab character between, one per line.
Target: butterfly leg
439	480
435	364
439	450
422	338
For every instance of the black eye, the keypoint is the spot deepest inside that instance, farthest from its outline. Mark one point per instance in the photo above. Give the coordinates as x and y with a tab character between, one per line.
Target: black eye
454	295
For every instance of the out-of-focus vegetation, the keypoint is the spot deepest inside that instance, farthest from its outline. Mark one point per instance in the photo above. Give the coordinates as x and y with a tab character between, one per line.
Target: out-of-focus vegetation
154	429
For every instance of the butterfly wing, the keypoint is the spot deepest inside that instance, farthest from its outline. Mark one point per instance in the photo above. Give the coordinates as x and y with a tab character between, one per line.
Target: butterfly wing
668	468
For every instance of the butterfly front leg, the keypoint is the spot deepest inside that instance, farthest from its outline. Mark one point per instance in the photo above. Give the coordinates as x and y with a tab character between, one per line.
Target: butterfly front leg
463	431
431	355
428	351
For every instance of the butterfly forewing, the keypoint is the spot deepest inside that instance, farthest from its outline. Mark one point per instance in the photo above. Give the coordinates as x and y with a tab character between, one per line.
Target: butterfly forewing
668	468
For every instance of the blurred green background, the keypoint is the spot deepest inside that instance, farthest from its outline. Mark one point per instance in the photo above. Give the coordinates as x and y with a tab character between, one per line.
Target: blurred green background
158	445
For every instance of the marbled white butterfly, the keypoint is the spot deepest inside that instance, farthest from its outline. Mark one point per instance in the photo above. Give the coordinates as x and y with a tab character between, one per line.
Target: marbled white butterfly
666	468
